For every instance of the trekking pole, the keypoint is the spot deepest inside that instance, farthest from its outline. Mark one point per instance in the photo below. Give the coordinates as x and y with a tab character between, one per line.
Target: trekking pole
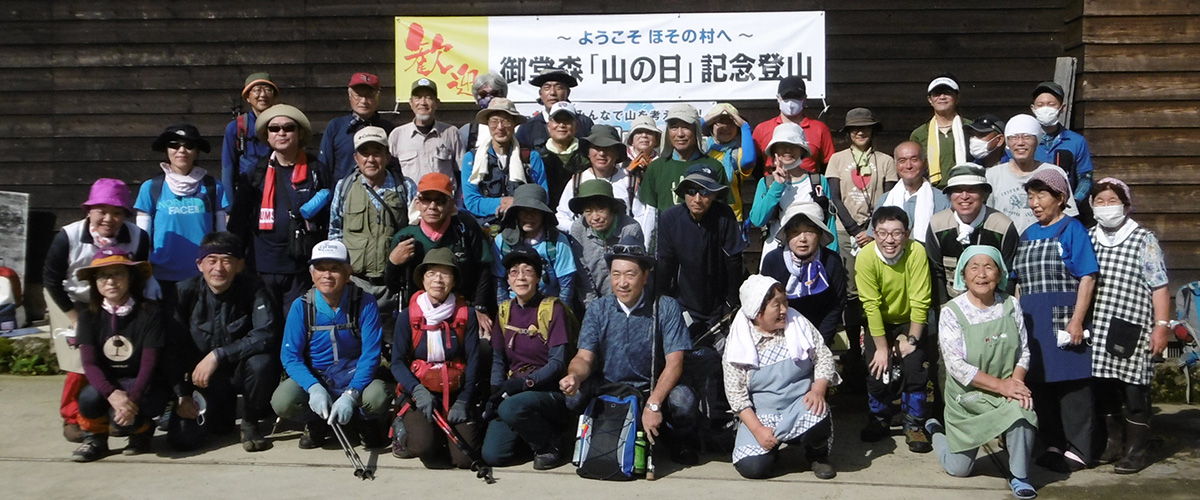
360	470
482	470
653	364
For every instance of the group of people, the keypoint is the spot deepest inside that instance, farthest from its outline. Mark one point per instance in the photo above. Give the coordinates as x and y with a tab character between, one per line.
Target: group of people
514	268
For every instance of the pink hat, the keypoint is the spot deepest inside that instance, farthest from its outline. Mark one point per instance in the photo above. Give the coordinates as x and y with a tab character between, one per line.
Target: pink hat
1053	179
109	192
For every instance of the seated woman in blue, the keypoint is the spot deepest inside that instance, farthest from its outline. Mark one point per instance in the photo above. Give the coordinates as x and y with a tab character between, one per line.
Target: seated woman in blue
529	221
178	207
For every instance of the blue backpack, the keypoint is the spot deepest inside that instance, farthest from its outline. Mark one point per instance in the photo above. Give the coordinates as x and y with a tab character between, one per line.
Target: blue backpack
608	445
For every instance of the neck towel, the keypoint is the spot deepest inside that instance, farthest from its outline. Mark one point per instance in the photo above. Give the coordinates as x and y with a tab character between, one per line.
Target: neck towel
804	279
516	171
921	213
933	149
266	212
435	315
1117	237
741	350
966	228
183	185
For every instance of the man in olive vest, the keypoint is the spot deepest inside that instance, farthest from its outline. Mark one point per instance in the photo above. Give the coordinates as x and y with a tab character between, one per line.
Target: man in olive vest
368	207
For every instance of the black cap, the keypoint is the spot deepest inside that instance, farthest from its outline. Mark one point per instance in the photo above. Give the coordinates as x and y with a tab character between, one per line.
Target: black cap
523	254
793	86
554	75
1051	87
987	124
182	132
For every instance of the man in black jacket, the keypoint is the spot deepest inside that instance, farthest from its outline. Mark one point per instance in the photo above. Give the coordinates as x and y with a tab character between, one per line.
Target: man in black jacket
230	347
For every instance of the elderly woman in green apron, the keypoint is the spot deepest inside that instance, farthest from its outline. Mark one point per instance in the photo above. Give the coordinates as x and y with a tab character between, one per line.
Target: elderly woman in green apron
1056	270
986	352
777	369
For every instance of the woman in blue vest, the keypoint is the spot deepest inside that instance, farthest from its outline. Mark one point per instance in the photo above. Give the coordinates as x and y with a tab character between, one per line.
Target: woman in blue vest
179	206
435	360
529	356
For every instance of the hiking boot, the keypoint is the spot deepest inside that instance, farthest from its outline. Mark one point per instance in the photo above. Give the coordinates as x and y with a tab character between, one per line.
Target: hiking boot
551	459
820	463
72	433
398	434
314	435
139	442
1114	447
94	447
1054	461
877	428
252	439
917	440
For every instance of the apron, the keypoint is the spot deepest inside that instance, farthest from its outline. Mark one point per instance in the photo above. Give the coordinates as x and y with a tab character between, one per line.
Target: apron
1048	292
975	416
777	392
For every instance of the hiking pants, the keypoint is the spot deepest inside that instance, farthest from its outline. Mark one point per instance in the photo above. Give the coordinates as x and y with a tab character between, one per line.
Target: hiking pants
914	377
254	377
537	418
291	401
93	405
425	440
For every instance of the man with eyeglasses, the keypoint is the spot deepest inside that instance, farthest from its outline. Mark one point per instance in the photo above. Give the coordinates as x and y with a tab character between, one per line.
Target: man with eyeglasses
700	249
554	86
337	144
425	145
892	274
441	225
368	207
241	149
486	87
1022	134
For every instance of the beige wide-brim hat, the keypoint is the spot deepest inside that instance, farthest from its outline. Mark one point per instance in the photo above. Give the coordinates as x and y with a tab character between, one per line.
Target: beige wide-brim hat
286	110
500	105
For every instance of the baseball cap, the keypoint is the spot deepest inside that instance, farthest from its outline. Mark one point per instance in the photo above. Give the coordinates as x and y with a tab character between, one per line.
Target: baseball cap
1051	87
942	81
987	124
424	83
370	134
792	86
436	182
364	79
702	175
330	250
563	107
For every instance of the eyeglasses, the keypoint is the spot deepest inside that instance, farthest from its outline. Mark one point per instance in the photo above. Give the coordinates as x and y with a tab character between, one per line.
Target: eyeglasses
439	275
891	235
287	129
185	145
519	271
111	276
437	199
692	191
499	121
1022	138
262	90
357	96
492	93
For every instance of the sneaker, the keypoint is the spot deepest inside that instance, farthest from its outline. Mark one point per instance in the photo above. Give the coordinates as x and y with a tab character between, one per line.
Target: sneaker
875	430
314	435
398	434
139	443
917	440
551	459
252	439
73	433
94	448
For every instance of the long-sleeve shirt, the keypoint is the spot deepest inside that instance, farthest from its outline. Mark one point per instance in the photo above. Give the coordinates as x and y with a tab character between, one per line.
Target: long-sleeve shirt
320	349
954	346
231	164
700	261
73	248
516	354
558	277
467	351
893	294
116	348
738	155
737	377
337	143
484	206
406	190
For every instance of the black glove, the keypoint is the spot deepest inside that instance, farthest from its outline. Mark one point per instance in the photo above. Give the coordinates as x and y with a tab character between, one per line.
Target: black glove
513	386
423	400
493	404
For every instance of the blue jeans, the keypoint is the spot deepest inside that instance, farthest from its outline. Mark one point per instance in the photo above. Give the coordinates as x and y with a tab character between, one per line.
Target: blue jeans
1018	438
537	418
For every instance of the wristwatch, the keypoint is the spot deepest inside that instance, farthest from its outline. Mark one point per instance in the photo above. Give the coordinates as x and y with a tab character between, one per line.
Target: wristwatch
654	407
353	393
529	383
912	341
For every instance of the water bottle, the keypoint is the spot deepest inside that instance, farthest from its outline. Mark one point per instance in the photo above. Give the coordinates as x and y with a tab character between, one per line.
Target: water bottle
579	431
639	454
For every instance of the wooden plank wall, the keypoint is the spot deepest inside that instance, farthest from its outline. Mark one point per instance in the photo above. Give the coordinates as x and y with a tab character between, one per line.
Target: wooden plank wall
1140	96
87	85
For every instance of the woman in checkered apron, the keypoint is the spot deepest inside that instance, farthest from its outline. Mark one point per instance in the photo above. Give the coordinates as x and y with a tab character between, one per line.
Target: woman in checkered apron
1130	323
1055	268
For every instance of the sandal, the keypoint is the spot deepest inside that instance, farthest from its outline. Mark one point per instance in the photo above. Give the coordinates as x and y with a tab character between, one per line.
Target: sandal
1021	489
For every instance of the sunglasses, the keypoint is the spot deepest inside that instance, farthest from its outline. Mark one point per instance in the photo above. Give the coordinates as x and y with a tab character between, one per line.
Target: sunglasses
436	199
634	250
274	129
693	191
185	145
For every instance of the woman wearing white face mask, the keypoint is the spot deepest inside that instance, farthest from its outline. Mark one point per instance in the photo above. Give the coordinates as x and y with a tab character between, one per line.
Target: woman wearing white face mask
1130	323
789	184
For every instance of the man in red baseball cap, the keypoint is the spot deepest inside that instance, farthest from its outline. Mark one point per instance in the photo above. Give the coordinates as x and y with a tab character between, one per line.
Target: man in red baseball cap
337	144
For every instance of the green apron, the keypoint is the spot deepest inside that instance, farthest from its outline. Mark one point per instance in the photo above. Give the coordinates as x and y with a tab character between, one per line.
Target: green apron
975	416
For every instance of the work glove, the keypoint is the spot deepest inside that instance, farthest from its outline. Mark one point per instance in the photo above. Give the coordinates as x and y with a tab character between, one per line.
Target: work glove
318	400
343	408
493	404
458	413
512	386
423	400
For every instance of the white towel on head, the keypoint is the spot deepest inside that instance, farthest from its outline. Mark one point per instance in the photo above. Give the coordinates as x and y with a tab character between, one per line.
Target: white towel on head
740	348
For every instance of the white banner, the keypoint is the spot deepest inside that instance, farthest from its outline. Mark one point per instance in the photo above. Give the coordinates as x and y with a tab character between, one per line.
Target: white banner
621	114
662	57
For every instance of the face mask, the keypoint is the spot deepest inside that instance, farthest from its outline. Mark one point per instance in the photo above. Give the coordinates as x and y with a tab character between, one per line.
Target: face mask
979	148
1111	216
791	107
789	166
483	103
1046	115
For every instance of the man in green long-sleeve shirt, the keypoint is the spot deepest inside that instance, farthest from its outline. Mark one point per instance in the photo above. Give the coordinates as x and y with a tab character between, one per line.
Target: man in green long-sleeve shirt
895	289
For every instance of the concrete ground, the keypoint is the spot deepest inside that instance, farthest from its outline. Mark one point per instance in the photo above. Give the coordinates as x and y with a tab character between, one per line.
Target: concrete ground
35	463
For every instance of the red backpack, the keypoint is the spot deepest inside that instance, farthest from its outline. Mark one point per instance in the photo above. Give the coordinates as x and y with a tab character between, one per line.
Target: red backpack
8	310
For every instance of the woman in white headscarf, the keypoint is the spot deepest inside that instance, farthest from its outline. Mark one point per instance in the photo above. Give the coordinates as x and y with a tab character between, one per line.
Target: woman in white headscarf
777	369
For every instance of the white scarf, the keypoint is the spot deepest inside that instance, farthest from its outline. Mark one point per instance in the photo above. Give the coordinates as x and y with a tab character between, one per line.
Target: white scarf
934	150
479	167
923	211
1119	236
183	185
121	310
966	228
435	315
741	350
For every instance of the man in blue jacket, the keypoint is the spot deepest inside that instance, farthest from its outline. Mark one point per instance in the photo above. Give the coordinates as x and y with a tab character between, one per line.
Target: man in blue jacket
337	143
241	149
331	348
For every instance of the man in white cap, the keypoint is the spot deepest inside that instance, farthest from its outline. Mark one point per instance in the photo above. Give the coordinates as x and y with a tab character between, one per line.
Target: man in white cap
1021	134
425	144
943	137
368	207
331	349
554	86
337	143
563	152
